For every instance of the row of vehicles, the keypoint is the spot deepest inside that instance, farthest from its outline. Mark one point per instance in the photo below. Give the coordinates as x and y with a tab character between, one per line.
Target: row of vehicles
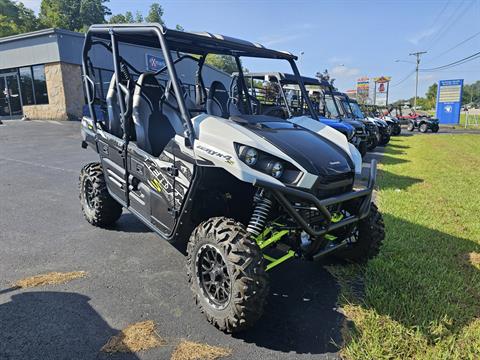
277	94
238	180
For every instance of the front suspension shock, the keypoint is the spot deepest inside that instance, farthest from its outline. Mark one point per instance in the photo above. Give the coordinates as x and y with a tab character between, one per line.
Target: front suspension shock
260	214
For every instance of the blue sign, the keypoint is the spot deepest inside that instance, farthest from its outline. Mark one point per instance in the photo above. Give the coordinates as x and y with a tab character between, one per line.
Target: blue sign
154	63
449	101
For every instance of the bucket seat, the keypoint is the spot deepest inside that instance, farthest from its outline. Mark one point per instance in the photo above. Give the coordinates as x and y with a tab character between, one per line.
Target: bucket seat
153	128
219	102
113	123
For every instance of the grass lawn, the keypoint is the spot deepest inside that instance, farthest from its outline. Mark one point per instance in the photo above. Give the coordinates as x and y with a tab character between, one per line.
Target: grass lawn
421	295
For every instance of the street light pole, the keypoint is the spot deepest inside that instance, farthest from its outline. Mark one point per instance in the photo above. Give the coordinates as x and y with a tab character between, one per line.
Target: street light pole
417	54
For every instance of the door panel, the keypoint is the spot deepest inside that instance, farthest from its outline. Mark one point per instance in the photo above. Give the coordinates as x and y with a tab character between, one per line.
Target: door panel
4	108
151	186
14	95
184	163
110	149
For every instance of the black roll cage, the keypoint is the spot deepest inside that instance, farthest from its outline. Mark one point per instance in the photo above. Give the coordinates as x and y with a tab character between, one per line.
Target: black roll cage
154	35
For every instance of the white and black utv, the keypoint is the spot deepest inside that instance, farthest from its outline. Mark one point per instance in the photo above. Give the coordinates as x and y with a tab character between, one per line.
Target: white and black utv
246	192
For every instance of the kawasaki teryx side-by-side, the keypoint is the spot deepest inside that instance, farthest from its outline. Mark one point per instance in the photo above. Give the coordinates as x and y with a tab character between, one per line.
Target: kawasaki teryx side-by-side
243	192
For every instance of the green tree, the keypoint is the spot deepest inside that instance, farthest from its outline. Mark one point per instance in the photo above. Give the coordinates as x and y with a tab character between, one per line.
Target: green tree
16	18
129	17
155	14
138	17
117	19
223	62
73	15
179	27
431	96
93	12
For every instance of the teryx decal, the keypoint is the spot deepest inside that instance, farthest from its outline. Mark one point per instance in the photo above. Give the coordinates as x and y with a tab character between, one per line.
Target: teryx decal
227	158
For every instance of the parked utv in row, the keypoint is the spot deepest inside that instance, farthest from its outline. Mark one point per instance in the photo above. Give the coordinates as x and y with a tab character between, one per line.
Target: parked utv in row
383	127
279	94
202	168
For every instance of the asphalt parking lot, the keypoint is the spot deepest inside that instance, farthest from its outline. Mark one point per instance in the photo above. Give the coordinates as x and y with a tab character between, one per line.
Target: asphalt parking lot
133	275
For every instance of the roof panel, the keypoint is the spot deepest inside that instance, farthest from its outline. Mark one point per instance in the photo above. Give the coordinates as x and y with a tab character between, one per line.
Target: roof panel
188	42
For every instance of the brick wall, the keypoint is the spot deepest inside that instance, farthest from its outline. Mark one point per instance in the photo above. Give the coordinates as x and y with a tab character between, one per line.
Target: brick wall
65	94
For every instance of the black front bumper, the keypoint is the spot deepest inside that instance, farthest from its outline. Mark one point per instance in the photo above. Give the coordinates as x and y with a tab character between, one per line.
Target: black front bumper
363	195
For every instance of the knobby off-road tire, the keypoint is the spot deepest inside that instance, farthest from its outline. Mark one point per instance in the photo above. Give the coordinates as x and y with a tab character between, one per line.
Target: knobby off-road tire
423	128
363	148
410	126
397	130
98	207
372	144
244	268
371	232
435	129
385	139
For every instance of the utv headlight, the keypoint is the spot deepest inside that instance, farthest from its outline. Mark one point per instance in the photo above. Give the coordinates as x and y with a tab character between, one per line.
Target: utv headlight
277	170
268	164
250	155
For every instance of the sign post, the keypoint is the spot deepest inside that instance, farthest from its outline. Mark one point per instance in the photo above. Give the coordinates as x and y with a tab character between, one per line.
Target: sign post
449	101
380	95
363	89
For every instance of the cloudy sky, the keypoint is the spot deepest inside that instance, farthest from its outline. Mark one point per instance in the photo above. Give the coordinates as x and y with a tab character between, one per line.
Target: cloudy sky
349	38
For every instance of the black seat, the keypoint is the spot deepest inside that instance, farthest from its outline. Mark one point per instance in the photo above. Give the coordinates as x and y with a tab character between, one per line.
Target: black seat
171	109
153	129
217	101
113	124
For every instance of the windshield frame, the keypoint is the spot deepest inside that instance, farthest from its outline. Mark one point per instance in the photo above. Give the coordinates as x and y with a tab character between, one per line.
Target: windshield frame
159	37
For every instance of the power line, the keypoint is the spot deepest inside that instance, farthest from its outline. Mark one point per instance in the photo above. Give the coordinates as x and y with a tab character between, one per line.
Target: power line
455	63
417	55
456	16
403	80
456	46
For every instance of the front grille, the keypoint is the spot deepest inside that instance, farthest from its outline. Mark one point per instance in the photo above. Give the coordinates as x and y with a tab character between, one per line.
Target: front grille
335	184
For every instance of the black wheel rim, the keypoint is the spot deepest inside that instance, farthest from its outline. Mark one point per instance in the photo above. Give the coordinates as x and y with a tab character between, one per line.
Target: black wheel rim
88	189
213	277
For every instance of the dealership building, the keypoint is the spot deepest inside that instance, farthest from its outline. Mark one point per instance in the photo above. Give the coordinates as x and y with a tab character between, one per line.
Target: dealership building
41	73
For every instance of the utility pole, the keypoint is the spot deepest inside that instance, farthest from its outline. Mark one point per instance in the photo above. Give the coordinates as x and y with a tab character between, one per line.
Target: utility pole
417	54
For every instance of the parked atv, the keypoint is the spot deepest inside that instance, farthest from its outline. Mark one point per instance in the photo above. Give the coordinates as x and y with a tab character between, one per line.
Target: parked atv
200	168
423	124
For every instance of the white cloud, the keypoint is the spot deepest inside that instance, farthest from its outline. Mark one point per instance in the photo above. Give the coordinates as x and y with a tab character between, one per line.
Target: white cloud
418	37
344	71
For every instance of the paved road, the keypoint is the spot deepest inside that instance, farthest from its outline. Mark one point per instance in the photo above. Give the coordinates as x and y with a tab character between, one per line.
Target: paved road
133	275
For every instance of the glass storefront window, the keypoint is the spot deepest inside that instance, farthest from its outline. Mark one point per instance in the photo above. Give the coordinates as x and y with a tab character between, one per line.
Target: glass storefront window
26	85
40	84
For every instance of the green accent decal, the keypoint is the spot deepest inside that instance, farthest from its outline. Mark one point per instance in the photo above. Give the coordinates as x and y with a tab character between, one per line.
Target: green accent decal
337	217
330	237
